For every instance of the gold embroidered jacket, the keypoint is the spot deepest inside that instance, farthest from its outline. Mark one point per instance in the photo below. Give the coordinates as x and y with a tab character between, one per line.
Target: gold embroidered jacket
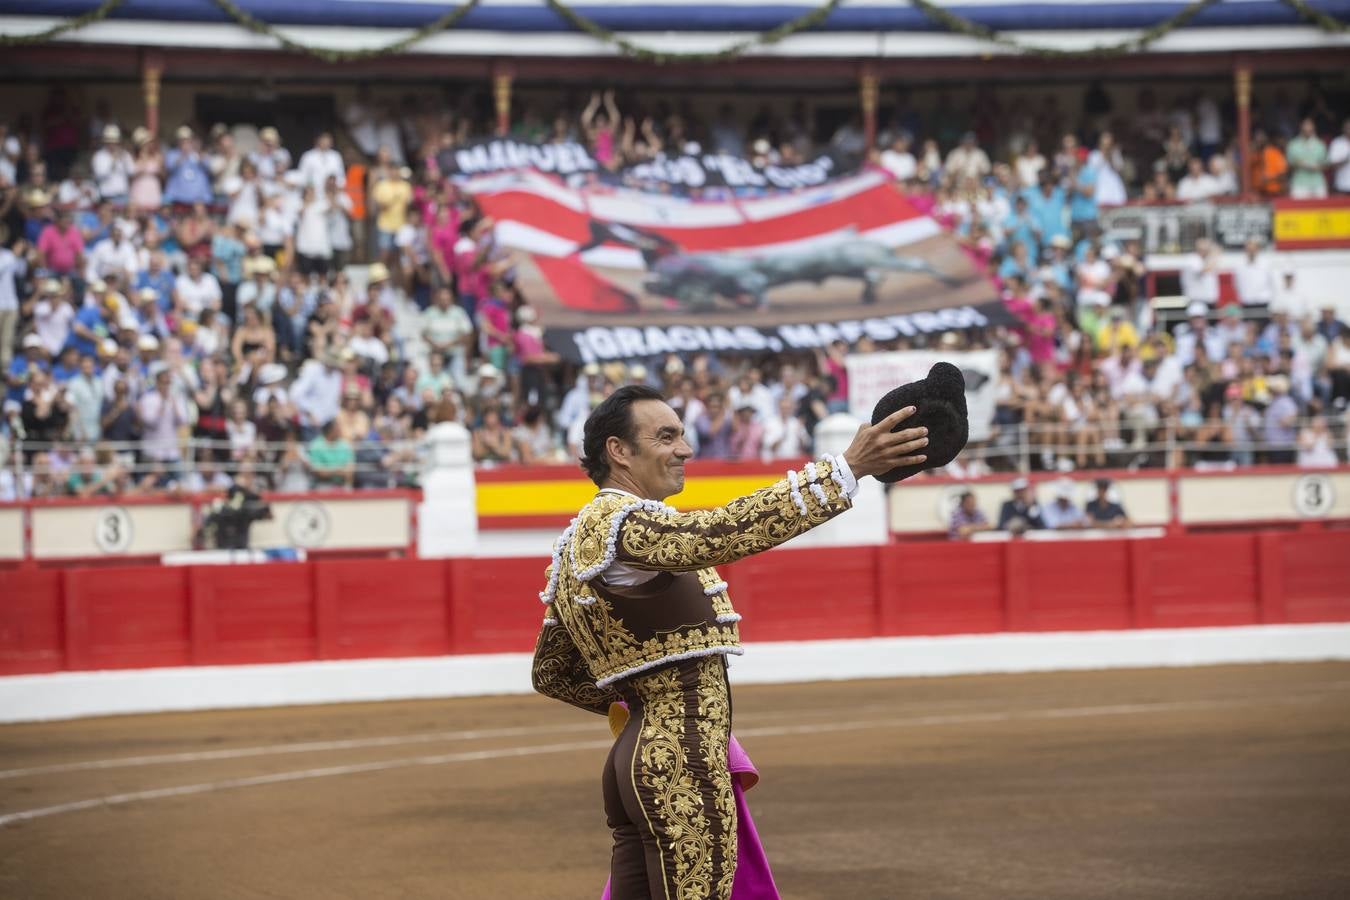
595	634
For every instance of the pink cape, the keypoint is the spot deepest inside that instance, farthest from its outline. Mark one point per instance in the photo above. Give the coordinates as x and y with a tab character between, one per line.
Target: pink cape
753	881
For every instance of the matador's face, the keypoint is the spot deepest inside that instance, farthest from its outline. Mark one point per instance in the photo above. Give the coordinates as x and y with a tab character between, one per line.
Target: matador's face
656	458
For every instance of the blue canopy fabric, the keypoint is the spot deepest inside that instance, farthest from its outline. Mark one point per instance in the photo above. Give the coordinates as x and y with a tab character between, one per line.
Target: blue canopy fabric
534	16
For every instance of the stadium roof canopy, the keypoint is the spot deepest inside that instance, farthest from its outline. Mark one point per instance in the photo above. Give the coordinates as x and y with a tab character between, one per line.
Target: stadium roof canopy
853	29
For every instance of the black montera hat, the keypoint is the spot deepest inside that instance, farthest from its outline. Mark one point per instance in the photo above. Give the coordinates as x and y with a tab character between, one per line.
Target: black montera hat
941	408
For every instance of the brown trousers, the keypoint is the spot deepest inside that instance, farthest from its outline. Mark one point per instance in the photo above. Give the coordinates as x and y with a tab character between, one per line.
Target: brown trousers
667	790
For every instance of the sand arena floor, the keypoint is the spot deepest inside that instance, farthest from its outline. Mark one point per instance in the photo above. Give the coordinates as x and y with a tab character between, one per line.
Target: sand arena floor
1229	782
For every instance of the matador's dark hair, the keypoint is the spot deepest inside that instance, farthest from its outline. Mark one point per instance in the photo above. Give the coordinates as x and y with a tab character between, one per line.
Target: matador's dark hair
612	418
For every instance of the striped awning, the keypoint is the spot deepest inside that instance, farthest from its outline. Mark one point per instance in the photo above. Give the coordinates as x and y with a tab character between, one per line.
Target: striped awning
856	28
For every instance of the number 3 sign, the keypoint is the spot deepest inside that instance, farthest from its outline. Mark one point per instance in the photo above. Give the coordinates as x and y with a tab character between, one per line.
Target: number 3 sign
1314	496
112	529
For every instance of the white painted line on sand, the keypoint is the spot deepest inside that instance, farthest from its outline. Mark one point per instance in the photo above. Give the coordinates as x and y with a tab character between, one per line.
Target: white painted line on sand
1122	709
303	747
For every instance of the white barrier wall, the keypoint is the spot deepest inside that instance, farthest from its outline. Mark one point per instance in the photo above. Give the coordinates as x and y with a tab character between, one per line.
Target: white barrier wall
139	529
11	533
926	506
1259	498
65	695
335	524
319	522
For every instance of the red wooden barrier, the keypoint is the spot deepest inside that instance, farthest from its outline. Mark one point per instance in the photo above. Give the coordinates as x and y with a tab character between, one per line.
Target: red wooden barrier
941	588
1201	580
252	614
95	618
807	594
1313	569
1084	586
495	604
31	622
381	607
127	618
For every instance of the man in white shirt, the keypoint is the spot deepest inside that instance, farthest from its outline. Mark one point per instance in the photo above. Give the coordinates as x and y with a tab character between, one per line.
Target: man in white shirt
112	167
270	159
446	329
317	392
1253	278
52	315
114	255
12	266
162	412
785	434
366	345
897	159
1197	333
322	161
1208	125
1289	300
576	403
1107	161
749	390
1197	184
1061	513
1200	278
1338	157
967	160
9	154
197	289
362	125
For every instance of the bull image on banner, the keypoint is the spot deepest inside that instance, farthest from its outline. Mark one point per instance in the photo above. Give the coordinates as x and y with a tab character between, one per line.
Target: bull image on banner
618	273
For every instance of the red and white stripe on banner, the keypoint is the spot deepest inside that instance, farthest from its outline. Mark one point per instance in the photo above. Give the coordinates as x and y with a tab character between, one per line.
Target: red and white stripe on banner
536	214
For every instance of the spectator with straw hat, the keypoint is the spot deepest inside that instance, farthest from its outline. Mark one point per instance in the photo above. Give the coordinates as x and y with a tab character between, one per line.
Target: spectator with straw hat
112	167
147	190
187	177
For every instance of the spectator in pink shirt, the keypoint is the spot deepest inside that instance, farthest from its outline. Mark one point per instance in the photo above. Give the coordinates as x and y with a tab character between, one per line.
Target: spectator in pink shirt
1038	321
472	274
494	325
444	234
832	362
747	434
61	246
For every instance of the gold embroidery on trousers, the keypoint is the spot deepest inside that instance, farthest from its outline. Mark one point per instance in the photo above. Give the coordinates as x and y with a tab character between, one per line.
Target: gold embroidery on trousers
674	788
714	728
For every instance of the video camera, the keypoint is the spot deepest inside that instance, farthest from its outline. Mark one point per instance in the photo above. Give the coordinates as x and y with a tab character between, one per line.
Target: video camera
227	525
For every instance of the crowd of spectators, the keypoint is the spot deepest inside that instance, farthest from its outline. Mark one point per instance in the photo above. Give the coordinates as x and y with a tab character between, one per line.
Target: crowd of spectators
204	288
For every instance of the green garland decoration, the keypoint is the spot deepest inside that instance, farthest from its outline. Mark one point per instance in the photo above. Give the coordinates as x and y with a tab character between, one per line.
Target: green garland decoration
1323	21
97	14
329	55
812	19
961	25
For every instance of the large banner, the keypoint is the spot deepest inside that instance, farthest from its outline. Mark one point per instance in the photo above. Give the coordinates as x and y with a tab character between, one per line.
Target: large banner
873	375
619	274
573	162
1175	227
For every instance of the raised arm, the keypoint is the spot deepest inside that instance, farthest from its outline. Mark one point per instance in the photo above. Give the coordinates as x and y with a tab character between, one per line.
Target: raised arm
588	114
647	534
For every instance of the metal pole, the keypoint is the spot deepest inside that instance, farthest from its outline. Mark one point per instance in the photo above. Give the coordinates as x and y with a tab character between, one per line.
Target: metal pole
869	89
502	78
152	70
1242	87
